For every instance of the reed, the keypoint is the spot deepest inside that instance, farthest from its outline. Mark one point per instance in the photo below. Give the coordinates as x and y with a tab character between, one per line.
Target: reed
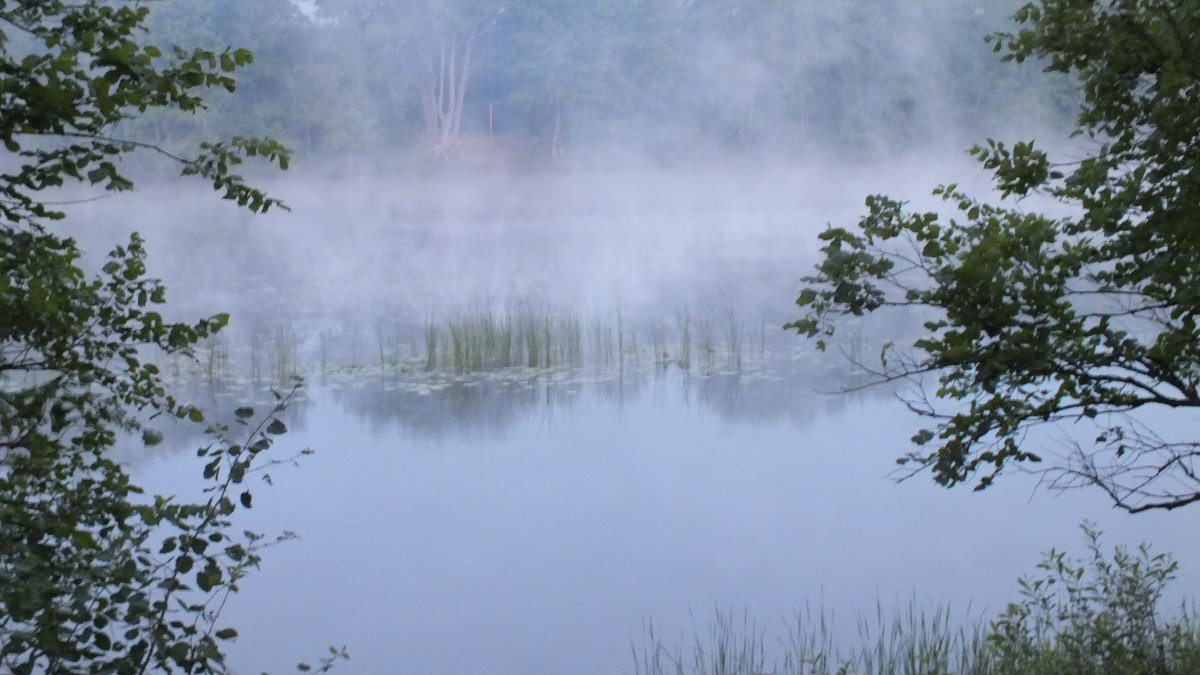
537	337
470	341
255	357
432	335
733	334
708	348
216	362
286	363
684	359
658	338
621	343
324	352
1095	616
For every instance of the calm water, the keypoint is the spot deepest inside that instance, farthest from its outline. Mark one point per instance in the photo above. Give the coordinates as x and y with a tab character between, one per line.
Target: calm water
535	524
542	539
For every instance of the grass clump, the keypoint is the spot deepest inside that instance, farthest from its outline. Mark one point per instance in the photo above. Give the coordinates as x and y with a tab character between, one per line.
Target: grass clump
1099	615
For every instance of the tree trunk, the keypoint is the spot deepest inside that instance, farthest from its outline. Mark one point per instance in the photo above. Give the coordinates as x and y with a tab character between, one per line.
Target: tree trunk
558	153
443	88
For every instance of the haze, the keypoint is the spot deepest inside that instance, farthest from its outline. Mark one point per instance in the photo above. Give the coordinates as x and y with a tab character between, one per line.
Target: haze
645	181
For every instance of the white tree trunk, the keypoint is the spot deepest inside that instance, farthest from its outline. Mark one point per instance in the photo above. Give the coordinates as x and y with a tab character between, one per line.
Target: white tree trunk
443	88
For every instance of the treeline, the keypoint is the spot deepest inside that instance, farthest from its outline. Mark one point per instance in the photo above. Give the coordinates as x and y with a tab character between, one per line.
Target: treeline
555	81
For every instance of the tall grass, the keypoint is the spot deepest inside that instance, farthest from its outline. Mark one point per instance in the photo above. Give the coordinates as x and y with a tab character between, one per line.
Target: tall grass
1096	616
536	337
472	341
913	642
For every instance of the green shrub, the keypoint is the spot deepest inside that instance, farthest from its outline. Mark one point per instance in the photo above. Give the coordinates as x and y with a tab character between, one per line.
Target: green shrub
1099	615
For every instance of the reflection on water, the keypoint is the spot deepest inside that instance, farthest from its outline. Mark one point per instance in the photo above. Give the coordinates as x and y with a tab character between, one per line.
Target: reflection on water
495	508
534	524
493	402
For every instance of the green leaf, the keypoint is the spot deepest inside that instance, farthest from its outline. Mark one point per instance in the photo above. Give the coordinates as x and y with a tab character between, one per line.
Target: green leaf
226	634
276	427
84	540
210	577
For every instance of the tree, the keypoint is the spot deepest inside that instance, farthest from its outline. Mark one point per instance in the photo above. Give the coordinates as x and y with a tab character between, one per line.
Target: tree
561	61
428	45
1036	319
272	93
95	577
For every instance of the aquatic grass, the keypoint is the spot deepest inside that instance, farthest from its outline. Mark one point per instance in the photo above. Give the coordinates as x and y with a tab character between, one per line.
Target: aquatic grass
724	649
285	358
536	337
432	335
602	344
633	350
734	335
255	358
572	343
216	362
1095	616
621	343
323	352
684	359
707	349
472	341
659	340
391	346
520	338
914	642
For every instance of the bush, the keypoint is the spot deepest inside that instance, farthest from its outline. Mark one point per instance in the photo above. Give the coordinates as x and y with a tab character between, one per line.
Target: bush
1094	616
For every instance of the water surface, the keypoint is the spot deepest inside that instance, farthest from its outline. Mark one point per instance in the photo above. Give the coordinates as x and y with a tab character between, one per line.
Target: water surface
534	520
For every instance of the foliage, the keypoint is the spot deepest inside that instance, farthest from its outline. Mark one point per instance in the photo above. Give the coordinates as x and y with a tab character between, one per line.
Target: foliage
94	576
1094	616
664	76
210	23
1036	318
76	70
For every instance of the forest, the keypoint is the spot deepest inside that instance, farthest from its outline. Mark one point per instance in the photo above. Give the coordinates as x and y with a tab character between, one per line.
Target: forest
538	83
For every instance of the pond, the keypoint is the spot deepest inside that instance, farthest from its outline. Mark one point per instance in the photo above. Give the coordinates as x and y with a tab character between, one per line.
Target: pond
667	451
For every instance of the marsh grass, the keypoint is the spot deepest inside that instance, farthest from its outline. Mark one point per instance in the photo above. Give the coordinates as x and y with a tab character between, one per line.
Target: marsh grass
538	337
216	358
524	341
284	357
1099	615
684	355
913	642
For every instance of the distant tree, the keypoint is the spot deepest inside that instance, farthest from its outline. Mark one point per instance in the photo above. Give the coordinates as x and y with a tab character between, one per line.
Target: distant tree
431	44
1034	319
561	60
96	577
272	97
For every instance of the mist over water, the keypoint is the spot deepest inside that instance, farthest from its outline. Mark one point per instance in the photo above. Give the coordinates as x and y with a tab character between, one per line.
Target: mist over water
404	243
535	519
540	324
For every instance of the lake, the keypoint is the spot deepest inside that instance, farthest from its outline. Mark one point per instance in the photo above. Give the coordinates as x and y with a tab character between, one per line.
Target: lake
667	452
